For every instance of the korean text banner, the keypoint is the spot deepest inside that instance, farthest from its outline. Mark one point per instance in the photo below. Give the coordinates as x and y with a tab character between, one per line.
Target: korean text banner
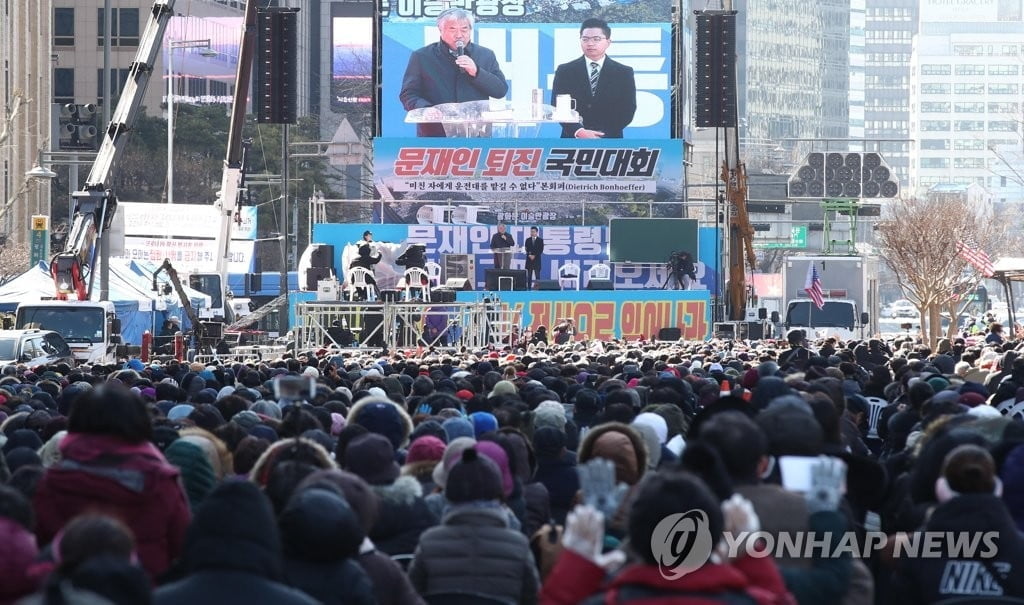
530	39
606	314
584	246
539	169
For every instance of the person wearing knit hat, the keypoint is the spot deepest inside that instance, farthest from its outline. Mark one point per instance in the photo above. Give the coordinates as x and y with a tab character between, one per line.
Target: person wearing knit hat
483	422
179	412
382	416
473	551
246	419
968	491
549	413
423	455
196	473
502	387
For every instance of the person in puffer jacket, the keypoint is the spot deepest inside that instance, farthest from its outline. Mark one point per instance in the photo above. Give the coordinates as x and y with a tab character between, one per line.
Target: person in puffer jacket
473	554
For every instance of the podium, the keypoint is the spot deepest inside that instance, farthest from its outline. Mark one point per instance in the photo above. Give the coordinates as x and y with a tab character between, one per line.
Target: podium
490	118
503	257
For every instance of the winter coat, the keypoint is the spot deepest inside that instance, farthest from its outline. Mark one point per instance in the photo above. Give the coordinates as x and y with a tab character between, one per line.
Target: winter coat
558	476
474	552
131	481
321	539
746	580
403	516
232	554
928	580
17	553
391	585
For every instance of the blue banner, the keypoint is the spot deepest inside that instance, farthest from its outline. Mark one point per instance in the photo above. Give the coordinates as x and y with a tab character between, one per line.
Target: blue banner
584	246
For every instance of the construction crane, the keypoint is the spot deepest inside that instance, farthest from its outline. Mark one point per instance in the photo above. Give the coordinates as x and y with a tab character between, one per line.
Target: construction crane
95	205
741	232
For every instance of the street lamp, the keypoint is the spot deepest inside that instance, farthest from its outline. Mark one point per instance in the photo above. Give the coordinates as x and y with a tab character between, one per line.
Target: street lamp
171	47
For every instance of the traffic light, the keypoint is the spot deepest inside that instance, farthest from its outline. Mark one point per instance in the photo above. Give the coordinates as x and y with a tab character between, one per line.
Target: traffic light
855	175
276	65
77	129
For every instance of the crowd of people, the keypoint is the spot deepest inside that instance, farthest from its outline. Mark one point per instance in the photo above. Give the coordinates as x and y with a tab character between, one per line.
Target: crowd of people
541	474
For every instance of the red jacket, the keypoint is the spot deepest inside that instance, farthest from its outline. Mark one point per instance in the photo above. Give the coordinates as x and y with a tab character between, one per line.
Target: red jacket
131	481
574	579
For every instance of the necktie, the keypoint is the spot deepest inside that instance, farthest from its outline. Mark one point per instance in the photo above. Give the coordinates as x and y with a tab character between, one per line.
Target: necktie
594	75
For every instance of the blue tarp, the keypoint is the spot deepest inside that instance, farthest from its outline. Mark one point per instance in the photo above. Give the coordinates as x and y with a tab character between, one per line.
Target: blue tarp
136	305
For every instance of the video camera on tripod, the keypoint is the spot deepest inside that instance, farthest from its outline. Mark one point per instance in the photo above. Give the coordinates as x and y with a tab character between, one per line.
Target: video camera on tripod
681	270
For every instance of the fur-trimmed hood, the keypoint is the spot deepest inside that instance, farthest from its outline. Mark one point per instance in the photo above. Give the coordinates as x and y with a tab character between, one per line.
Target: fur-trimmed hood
619	443
403	492
298	448
383	416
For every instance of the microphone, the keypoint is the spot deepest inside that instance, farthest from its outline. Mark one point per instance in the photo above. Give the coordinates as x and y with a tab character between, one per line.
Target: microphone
460	49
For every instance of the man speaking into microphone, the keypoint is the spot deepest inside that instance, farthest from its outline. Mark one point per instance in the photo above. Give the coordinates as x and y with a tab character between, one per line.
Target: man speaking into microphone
452	70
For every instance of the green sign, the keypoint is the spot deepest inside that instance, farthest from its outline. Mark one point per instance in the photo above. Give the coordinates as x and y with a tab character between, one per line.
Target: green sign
39	243
797	239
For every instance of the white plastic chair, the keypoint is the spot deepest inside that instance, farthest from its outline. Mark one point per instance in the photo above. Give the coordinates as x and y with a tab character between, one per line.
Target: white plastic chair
361	278
569	276
414	278
434	273
599	271
876	405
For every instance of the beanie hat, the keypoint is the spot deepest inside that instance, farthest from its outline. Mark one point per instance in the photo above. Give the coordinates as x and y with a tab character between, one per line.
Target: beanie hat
451	455
483	422
499	457
425	449
246	419
196	472
967	469
549	413
371	457
457	427
656	422
473	477
179	412
503	387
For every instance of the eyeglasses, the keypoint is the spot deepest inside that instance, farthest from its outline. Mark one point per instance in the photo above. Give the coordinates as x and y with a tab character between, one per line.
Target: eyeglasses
586	39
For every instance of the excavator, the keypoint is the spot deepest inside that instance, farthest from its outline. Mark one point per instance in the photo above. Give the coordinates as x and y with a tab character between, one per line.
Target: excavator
95	205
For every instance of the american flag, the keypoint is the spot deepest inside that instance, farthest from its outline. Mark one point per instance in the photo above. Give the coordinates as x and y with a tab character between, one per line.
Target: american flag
970	251
813	286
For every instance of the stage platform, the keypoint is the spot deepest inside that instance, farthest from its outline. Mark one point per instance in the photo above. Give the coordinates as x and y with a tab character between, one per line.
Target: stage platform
478	319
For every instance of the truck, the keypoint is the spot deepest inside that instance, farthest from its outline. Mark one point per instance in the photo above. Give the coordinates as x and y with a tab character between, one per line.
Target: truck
849	287
91	328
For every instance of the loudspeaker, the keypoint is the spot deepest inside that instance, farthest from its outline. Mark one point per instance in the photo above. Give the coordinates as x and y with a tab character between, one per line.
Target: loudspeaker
505	279
442	295
322	256
458	283
274	70
314	275
762	313
670	334
458	265
600	284
755	330
253	282
546	284
715	70
775	317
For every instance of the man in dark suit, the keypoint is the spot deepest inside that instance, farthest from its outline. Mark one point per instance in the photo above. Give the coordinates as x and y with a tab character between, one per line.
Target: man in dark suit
452	70
534	252
604	90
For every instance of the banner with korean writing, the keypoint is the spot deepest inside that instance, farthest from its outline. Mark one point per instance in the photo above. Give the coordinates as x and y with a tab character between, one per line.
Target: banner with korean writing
524	170
530	39
189	255
184	220
604	315
584	246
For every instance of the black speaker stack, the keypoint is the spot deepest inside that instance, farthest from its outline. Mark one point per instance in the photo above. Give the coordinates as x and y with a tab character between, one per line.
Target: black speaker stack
321	265
715	70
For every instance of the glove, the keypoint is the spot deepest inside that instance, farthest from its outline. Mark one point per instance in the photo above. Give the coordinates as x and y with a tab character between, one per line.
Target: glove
828	484
584	532
597	482
739	518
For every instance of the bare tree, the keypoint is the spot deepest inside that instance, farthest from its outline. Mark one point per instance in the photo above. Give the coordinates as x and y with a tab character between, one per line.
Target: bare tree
918	241
13	260
18	101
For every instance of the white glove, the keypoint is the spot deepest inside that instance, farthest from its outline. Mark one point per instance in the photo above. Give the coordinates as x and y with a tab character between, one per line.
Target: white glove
828	484
597	482
584	532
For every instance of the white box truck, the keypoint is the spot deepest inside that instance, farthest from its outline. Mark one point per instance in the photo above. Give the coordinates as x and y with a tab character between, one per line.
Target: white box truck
850	290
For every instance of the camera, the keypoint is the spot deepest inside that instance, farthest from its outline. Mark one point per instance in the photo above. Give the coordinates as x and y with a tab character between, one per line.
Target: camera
294	388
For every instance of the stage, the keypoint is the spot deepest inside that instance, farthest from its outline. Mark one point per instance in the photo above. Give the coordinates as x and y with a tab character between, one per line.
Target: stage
480	319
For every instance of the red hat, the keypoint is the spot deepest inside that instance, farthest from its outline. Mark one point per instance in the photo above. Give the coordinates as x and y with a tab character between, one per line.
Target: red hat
464	394
425	449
